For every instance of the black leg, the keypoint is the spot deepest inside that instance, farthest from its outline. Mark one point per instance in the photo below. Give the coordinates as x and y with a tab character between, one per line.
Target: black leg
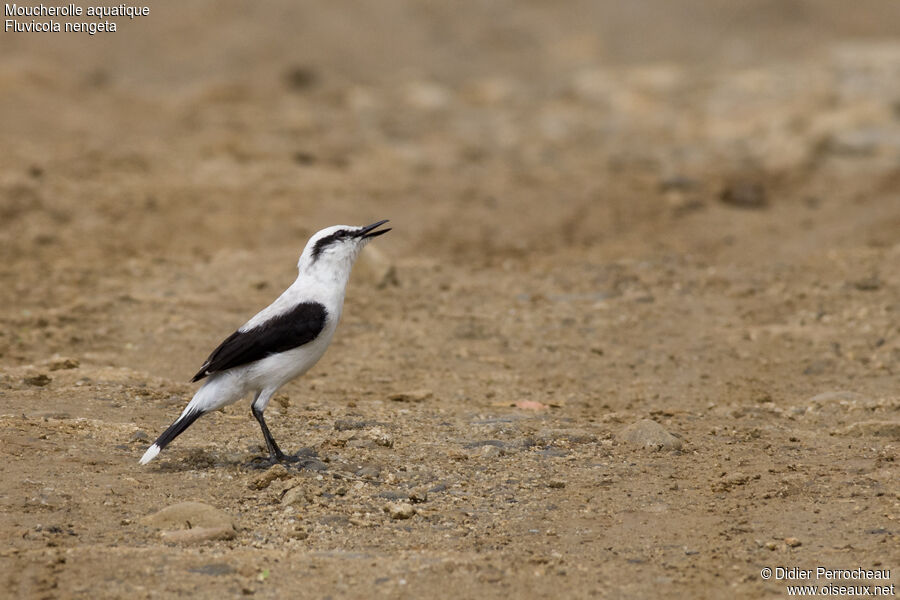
275	452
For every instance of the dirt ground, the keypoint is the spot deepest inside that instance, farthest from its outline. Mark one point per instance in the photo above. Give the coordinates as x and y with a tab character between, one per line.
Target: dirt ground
603	213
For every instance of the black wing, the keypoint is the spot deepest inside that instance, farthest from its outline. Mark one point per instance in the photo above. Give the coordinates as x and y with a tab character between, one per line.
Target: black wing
297	327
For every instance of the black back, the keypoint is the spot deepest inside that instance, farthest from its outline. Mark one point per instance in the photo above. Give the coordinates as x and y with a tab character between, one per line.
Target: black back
299	326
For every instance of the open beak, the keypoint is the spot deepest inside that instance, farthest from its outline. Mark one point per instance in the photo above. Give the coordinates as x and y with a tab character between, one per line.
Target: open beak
369	230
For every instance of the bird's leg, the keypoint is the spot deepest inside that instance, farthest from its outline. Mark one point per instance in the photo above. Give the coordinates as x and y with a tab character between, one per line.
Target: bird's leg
306	458
275	453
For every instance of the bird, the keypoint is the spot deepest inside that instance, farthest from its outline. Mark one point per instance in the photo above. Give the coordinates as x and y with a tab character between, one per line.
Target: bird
282	341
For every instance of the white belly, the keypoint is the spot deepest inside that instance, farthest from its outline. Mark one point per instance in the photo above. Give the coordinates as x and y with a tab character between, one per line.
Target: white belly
276	370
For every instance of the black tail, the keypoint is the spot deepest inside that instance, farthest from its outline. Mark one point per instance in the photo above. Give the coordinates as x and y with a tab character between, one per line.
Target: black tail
177	428
174	430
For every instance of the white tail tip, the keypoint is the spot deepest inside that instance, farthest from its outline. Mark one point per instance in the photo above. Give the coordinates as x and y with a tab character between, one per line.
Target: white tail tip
150	454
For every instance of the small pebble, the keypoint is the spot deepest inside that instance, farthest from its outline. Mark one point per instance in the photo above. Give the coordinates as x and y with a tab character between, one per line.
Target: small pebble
39	380
382	437
296	496
64	363
487	451
418	496
744	194
277	471
139	436
454	454
399	510
368	471
412	396
649	434
392	495
868	284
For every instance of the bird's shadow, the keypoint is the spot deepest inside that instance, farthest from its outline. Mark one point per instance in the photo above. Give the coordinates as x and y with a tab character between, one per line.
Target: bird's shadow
305	459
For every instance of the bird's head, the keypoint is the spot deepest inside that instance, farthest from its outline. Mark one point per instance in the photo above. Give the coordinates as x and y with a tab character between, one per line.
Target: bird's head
336	248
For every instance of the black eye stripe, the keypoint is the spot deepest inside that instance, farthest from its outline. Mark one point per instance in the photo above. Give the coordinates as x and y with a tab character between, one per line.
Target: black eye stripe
337	236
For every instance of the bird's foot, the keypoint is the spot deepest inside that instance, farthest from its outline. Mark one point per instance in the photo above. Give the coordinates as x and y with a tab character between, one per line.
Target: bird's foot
305	458
285	458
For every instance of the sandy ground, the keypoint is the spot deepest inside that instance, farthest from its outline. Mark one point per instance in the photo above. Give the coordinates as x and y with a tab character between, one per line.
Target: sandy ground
603	214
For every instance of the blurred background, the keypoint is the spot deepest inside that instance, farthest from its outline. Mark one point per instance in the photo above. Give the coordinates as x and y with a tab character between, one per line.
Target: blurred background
602	212
260	124
182	162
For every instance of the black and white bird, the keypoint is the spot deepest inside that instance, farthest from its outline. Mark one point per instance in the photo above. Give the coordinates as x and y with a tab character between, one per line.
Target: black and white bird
282	341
